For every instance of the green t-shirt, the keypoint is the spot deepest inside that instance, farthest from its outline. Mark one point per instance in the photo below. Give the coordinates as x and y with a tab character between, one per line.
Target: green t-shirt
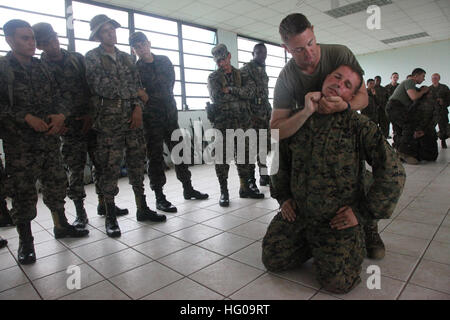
401	94
293	84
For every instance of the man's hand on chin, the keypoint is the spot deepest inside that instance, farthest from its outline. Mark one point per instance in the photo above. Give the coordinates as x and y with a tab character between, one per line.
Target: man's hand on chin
329	105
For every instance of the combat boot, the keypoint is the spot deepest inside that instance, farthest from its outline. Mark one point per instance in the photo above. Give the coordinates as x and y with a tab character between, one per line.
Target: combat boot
264	180
82	220
224	196
374	245
248	189
62	228
190	193
444	144
162	203
408	159
111	224
144	213
26	253
3	243
101	208
5	217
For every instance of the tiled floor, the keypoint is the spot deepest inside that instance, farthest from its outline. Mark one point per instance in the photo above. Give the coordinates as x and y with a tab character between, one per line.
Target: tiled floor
207	252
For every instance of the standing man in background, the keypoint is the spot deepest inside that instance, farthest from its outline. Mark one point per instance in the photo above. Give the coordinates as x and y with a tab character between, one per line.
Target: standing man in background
160	120
114	81
260	109
390	88
371	111
382	97
441	95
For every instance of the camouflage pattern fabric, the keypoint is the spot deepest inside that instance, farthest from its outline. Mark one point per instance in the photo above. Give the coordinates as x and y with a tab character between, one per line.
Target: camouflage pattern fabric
70	76
260	108
382	99
442	92
371	111
390	89
231	111
30	155
115	84
403	127
160	118
322	168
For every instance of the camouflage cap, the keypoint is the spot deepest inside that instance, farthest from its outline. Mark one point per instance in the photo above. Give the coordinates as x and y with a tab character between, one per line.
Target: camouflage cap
43	31
219	52
137	37
98	22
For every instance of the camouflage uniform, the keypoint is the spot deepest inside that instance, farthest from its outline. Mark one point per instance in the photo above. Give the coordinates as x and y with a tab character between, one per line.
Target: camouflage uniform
442	92
260	109
231	111
70	76
322	168
115	84
160	118
390	89
382	98
371	111
424	114
32	155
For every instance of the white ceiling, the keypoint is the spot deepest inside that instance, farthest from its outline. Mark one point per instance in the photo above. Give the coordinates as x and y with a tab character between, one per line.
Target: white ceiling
260	19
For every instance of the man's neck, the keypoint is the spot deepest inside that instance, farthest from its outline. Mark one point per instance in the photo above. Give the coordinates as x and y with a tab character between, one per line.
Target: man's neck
108	48
23	60
149	59
393	83
436	85
57	57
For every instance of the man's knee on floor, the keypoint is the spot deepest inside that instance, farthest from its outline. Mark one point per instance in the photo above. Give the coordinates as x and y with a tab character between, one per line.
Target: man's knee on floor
339	284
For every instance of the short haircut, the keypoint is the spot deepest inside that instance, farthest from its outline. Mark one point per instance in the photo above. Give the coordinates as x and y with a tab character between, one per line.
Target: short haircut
394	73
417	71
260	44
11	26
292	25
370	80
377	77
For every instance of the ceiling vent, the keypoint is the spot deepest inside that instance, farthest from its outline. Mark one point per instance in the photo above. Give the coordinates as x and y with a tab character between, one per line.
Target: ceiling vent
354	7
404	38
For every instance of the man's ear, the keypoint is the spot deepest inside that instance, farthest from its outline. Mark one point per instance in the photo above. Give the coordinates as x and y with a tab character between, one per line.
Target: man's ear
285	47
9	41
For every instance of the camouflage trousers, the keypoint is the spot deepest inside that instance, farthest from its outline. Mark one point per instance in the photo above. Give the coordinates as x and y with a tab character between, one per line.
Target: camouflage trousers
443	123
338	254
245	171
403	127
3	187
260	124
75	149
109	155
158	131
383	121
29	161
426	147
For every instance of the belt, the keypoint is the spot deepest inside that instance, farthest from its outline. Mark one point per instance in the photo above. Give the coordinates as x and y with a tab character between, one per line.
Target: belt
117	102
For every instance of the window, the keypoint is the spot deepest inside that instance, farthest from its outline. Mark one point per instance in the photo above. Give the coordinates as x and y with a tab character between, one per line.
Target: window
198	64
188	47
275	61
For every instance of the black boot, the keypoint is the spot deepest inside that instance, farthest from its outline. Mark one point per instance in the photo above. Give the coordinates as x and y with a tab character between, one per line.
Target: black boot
3	243
62	229
162	203
224	196
249	189
5	217
111	225
190	193
82	220
264	180
144	213
101	208
374	245
26	253
444	144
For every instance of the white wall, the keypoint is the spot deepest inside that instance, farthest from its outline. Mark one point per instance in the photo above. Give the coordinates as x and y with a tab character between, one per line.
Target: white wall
230	40
432	57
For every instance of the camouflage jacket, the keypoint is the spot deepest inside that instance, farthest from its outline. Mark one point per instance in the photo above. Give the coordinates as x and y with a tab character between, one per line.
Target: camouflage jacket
441	92
425	113
231	110
110	79
382	95
371	110
33	91
70	74
158	79
322	168
259	103
390	89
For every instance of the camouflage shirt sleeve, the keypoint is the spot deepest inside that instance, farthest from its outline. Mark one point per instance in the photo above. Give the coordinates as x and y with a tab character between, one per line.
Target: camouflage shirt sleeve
248	89
215	87
388	172
280	188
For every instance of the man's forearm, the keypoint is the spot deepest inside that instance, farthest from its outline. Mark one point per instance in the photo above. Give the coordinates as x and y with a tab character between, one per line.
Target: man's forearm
288	126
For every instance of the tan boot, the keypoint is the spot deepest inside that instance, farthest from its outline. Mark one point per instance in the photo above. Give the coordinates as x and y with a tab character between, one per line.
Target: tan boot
408	159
